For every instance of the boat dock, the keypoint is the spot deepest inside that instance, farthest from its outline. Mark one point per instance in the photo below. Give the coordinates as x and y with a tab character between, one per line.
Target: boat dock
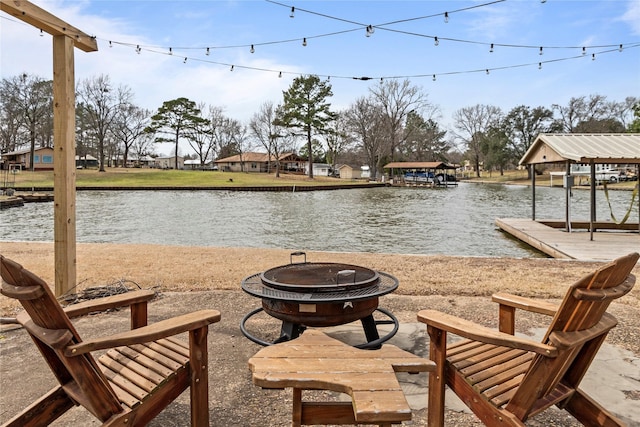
577	244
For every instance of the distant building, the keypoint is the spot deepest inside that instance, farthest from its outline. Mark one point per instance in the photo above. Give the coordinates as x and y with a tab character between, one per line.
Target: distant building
354	172
168	162
260	162
21	159
319	169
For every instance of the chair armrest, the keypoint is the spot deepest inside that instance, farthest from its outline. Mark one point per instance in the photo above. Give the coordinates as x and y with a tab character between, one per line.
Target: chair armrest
523	303
473	331
156	331
106	303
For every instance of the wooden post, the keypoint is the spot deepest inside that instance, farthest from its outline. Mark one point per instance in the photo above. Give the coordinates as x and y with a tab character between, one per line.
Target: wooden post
64	159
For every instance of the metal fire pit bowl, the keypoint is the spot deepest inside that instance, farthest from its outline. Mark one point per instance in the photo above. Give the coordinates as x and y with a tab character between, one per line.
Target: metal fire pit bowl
318	295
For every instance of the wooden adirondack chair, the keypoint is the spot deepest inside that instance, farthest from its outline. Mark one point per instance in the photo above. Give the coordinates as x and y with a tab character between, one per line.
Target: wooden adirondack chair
506	379
143	371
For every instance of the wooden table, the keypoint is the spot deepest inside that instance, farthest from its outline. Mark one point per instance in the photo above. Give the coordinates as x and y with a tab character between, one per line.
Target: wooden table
315	361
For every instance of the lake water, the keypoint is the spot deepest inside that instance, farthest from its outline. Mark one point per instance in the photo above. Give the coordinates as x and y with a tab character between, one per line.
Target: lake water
451	221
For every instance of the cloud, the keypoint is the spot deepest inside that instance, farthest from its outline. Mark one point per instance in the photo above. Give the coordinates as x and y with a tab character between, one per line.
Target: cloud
632	16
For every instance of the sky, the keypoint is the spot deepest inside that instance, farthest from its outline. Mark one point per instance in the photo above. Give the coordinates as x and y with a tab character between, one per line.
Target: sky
580	43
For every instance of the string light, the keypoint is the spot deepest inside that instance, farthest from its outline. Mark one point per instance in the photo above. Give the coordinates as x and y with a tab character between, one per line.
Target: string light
540	50
185	60
110	44
593	56
370	31
170	51
491	48
436	42
41	33
293	11
280	74
434	77
207	52
620	48
487	71
138	50
231	68
304	42
584	50
252	50
446	17
539	65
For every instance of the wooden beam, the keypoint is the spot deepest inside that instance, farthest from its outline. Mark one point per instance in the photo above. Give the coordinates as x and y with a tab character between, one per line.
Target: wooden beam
40	18
64	162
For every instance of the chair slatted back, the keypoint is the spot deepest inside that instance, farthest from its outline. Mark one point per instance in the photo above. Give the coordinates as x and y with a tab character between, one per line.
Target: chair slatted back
51	330
581	313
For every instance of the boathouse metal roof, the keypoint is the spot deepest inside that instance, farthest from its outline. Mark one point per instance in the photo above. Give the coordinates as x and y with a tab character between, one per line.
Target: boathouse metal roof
583	148
418	165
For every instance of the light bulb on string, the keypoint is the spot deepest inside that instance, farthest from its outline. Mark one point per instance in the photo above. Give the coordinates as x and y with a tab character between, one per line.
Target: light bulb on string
491	48
593	56
436	42
620	48
541	52
304	42
539	65
446	17
170	51
138	50
293	11
207	52
185	60
252	50
487	71
369	31
584	50
41	33
434	77
231	68
280	74
110	44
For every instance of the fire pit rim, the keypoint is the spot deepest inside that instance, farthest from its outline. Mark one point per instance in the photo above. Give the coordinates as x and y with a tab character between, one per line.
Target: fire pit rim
372	277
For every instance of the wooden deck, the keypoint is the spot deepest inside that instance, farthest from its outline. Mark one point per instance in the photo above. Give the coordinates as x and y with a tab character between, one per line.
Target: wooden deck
557	243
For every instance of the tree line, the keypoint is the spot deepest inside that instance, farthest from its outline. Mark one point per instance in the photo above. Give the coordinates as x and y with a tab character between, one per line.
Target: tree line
394	121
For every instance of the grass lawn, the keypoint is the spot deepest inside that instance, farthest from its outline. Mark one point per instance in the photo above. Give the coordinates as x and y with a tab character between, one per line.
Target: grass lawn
134	177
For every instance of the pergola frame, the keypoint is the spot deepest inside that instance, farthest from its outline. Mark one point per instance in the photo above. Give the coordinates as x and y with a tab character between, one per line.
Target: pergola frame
65	38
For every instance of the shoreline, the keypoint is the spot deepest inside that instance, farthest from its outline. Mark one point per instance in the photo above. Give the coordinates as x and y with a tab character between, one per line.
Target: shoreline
198	268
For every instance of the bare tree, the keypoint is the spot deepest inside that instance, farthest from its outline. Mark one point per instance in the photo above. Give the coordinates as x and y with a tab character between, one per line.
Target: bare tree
223	133
473	123
242	141
397	99
101	102
581	110
129	126
201	137
267	133
365	121
338	140
27	102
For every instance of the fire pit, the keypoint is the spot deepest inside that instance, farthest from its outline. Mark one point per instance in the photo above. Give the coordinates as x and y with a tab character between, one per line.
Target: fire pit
306	294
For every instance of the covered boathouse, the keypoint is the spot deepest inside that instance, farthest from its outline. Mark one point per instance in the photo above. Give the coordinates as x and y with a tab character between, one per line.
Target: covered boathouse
553	235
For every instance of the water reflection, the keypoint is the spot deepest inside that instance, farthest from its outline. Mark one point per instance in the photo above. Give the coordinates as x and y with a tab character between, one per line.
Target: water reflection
453	221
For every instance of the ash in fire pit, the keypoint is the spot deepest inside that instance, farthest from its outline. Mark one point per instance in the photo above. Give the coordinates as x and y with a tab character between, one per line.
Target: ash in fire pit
321	294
